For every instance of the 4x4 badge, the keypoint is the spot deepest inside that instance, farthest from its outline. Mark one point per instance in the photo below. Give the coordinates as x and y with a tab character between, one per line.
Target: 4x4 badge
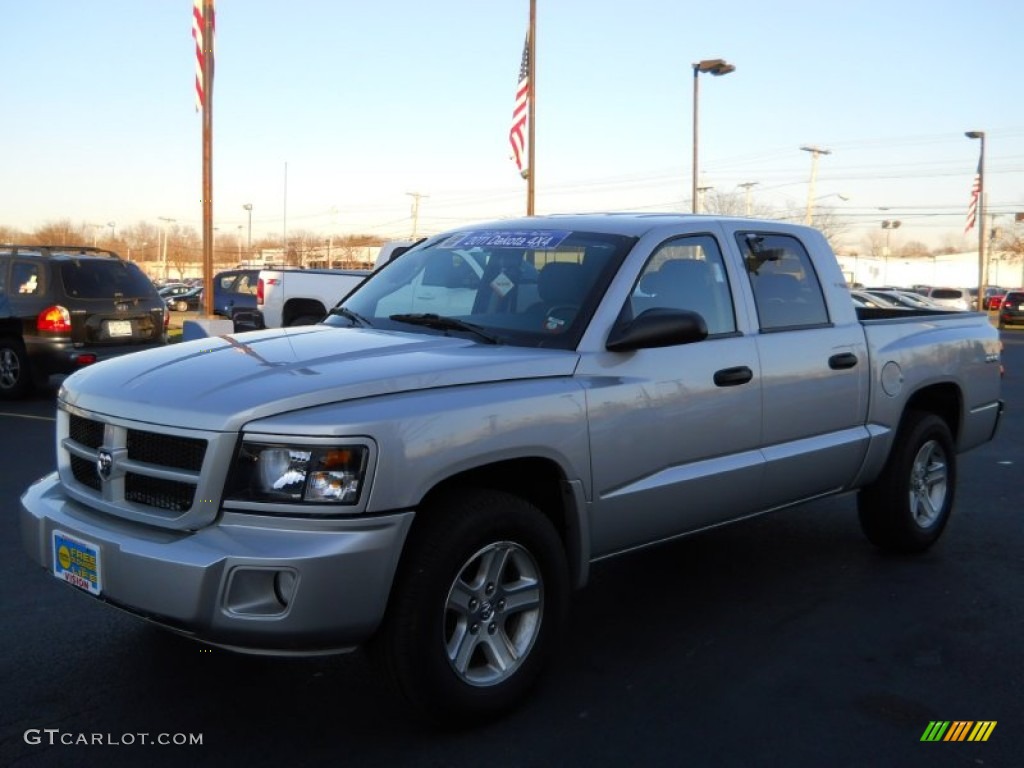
104	464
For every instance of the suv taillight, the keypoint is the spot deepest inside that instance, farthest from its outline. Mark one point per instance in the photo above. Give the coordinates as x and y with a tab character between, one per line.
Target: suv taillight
259	291
54	319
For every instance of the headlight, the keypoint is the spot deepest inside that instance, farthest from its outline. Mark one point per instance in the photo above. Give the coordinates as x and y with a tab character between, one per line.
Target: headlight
328	474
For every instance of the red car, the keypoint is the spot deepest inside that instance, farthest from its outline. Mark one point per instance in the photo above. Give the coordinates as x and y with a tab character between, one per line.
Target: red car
995	302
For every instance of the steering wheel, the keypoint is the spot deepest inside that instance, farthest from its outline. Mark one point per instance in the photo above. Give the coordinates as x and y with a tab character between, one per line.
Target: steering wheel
558	317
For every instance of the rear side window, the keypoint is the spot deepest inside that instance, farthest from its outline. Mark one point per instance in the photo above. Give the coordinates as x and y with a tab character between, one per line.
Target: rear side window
27	278
947	293
96	279
786	288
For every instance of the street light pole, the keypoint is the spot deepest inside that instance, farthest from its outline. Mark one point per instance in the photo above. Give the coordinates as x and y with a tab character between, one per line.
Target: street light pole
166	221
980	219
815	153
888	225
716	67
248	209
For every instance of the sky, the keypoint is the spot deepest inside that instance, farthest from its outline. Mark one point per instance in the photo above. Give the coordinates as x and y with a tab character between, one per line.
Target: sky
329	115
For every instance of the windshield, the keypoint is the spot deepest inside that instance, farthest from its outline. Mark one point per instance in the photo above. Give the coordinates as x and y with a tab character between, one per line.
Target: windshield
534	288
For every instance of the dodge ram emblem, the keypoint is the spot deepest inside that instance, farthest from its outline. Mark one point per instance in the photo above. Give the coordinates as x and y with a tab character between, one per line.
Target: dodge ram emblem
104	464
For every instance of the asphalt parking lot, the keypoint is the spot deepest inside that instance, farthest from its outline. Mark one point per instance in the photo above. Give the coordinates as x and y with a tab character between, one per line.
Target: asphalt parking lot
786	641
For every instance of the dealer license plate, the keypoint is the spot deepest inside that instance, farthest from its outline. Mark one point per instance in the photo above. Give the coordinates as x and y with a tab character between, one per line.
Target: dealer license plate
119	327
76	561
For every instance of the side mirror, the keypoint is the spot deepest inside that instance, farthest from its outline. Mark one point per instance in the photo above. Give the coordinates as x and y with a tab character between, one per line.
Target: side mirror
657	327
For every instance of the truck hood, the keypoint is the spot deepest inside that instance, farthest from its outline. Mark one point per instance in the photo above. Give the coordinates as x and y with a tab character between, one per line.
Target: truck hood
223	382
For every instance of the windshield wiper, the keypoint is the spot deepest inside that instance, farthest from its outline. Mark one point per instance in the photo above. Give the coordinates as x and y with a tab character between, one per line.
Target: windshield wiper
353	317
442	323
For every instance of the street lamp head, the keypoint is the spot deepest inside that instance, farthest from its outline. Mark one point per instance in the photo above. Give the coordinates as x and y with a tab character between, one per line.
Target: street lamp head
974	134
714	66
247	207
891	224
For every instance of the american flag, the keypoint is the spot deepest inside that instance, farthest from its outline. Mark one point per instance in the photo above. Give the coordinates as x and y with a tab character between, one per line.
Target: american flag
972	208
517	135
198	28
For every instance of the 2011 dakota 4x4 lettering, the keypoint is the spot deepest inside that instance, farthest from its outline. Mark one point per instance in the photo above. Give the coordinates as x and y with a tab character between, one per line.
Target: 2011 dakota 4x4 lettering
436	481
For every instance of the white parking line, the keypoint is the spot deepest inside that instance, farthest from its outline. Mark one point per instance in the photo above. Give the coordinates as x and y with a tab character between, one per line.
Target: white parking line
27	416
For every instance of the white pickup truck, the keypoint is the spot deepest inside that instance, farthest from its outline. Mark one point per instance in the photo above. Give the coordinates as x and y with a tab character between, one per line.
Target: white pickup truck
288	297
435	482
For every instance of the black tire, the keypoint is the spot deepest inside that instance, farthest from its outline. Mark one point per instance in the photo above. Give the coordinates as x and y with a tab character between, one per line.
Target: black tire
305	320
15	370
907	507
470	556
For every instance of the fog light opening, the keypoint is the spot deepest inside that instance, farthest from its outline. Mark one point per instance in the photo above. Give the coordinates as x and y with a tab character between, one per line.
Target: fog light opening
284	587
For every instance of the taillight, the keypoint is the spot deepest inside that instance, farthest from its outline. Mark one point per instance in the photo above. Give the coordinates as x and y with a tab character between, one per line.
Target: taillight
54	319
167	319
259	291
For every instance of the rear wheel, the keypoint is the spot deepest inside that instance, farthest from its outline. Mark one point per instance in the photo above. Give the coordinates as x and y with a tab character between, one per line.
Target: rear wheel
907	507
15	372
477	606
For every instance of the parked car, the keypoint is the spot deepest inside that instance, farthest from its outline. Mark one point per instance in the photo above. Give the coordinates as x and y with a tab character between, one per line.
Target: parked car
952	298
66	307
905	299
173	289
992	293
1012	310
995	302
182	302
234	297
435	482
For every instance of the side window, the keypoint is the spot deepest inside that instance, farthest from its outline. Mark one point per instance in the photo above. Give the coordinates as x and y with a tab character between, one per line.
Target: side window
246	283
26	278
4	264
786	288
687	273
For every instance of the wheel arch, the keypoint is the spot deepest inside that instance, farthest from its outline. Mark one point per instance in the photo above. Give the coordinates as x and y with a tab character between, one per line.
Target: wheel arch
944	399
295	308
547	488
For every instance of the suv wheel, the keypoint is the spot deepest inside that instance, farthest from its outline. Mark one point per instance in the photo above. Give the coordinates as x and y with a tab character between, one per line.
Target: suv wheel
15	376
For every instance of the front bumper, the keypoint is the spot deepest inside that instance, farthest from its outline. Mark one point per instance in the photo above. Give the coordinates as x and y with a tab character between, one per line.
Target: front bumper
253	584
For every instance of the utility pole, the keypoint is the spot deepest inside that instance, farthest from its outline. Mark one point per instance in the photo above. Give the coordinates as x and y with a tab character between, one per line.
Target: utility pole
416	196
746	195
815	153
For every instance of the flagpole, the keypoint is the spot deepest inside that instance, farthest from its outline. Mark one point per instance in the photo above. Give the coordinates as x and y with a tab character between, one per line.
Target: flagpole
208	32
532	119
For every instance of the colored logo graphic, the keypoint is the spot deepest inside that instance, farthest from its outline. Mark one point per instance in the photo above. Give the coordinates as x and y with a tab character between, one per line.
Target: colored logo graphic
958	730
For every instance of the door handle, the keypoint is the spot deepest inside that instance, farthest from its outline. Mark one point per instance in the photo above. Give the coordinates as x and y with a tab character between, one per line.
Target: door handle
731	377
842	361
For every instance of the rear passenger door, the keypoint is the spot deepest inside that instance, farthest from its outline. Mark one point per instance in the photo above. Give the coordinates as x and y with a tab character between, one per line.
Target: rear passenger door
675	431
814	373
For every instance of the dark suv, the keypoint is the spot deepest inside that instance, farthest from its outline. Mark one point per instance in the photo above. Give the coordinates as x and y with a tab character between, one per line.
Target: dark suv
1011	311
65	307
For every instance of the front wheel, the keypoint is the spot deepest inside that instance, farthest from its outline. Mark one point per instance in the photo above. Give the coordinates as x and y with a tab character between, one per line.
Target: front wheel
907	507
478	603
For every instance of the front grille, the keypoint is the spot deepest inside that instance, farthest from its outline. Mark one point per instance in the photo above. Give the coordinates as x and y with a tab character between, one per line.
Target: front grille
85	472
155	492
147	474
86	431
166	450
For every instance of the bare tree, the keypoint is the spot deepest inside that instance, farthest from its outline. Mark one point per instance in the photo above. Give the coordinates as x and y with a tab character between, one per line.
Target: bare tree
914	248
874	244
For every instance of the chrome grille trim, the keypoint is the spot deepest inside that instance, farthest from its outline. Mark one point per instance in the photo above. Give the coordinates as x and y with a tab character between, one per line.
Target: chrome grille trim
153	474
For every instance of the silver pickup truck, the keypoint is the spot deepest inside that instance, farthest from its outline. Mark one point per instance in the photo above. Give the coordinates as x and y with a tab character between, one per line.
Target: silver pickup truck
436	484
